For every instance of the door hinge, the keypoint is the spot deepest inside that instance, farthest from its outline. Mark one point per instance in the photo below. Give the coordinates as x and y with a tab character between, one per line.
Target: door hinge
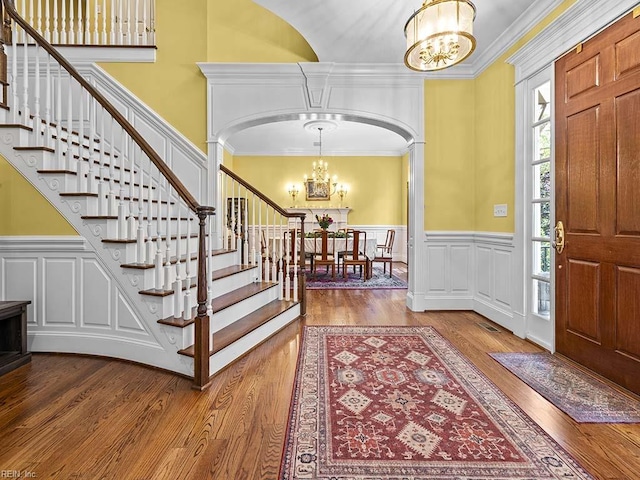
579	48
636	12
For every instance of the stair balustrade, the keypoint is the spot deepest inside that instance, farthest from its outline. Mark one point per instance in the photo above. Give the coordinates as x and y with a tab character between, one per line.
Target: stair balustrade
264	235
99	159
101	22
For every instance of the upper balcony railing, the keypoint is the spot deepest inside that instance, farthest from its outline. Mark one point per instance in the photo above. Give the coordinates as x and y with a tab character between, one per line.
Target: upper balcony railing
96	22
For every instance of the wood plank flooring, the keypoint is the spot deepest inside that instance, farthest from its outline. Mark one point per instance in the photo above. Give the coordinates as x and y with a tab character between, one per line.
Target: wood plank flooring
75	417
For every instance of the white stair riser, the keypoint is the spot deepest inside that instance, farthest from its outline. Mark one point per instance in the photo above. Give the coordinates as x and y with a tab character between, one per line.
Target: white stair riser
227	355
227	316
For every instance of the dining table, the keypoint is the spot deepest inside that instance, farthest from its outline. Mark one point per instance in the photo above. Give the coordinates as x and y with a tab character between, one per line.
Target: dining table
277	247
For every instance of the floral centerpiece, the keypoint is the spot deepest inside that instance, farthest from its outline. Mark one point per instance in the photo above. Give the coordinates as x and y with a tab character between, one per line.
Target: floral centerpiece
324	221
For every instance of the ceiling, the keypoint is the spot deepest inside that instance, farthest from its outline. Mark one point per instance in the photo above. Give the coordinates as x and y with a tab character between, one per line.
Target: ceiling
372	31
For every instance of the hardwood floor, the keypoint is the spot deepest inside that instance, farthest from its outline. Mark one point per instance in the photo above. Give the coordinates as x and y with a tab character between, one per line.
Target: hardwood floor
74	417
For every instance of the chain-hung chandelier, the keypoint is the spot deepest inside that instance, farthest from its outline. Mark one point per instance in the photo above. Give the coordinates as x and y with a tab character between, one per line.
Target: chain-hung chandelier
440	34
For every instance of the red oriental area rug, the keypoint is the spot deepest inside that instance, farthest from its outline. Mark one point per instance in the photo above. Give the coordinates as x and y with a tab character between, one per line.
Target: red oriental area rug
401	403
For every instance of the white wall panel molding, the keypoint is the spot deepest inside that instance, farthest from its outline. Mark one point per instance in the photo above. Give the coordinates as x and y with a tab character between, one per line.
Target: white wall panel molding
78	304
471	271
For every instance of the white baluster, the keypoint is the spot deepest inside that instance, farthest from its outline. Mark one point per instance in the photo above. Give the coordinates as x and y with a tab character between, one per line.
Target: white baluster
112	29
295	262
30	19
281	260
13	83
122	211
120	22
149	243
145	23
103	12
274	260
187	271
113	158
287	267
63	23
23	14
38	21
168	240
96	34
80	21
131	220
37	120
245	229
56	27
262	255
140	238
26	112
47	103
46	20
65	162
72	25
92	153
87	27
136	23
178	301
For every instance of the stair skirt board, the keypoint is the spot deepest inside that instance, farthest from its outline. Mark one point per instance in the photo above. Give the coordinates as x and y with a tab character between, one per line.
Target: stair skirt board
248	342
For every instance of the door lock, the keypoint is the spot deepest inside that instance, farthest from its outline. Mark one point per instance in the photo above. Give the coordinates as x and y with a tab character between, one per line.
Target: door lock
559	241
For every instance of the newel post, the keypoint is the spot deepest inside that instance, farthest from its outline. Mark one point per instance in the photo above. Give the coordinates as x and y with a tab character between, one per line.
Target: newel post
202	336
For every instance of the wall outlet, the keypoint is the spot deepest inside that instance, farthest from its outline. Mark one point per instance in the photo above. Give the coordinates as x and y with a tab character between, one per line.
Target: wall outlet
500	210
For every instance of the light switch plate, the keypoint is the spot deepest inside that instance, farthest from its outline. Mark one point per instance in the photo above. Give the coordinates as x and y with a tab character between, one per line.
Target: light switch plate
500	210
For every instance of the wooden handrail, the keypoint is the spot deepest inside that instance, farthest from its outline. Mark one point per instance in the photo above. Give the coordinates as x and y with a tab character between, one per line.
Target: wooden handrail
262	196
175	182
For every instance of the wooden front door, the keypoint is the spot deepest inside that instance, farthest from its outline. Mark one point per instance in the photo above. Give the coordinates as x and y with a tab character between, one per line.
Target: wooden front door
598	201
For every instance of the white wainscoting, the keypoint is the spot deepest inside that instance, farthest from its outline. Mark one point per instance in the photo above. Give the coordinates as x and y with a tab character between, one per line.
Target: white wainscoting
76	305
471	271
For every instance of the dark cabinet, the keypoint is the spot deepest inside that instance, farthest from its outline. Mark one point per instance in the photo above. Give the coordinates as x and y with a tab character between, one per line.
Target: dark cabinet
13	335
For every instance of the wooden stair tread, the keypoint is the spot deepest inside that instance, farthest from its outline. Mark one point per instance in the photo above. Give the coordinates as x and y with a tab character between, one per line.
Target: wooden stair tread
133	240
236	296
38	148
243	326
158	292
232	270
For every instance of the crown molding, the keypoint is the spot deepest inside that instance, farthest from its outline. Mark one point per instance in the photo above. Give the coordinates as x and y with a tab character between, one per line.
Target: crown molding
579	22
533	15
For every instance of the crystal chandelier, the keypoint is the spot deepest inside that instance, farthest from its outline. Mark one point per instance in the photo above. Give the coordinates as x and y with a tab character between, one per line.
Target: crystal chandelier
439	34
320	169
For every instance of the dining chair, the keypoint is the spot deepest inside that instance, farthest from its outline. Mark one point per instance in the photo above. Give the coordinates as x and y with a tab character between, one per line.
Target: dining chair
384	253
355	255
346	233
324	253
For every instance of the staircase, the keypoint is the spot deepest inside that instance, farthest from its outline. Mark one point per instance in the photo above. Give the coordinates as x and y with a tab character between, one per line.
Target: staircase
208	284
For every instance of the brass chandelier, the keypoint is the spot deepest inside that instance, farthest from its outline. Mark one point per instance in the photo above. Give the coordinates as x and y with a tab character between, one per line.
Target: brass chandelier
440	34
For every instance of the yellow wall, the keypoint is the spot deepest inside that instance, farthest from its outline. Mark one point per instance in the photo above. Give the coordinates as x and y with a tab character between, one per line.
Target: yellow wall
375	184
449	154
205	31
470	146
23	211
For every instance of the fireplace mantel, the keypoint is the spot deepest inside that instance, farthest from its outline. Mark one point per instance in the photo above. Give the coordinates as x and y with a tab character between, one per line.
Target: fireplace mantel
339	216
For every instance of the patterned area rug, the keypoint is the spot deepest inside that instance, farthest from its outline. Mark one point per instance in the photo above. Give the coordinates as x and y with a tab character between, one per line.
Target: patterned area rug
354	281
583	397
401	403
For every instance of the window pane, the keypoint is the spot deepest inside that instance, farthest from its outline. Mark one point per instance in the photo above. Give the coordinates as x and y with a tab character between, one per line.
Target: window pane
542	141
541	298
542	96
542	180
541	264
541	219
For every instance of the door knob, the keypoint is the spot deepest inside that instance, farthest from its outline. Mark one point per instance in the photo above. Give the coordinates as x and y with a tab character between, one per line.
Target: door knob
559	241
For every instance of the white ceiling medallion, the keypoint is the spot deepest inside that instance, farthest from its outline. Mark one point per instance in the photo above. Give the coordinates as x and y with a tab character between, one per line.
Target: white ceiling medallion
324	125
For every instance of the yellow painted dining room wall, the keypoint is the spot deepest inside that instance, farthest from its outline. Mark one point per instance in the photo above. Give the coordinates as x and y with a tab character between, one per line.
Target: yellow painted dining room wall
205	31
375	184
23	210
